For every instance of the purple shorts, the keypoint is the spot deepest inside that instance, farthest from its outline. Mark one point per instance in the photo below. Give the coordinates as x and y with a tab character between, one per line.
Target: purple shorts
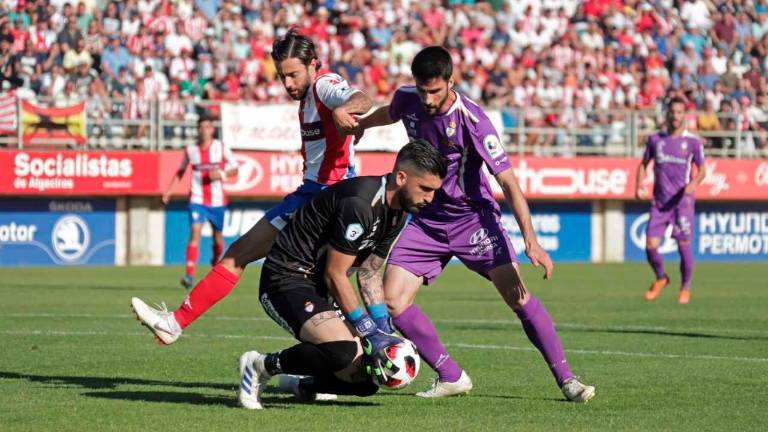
680	216
478	239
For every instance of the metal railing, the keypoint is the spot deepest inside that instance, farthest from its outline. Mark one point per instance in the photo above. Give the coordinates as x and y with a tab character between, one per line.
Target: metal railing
532	131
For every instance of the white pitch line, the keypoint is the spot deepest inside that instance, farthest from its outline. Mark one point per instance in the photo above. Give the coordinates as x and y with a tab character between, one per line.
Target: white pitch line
129	334
613	353
60	333
564	325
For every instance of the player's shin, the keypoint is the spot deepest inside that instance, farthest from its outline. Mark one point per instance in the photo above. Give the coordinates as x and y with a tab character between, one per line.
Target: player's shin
686	264
216	285
218	249
330	384
416	326
656	262
312	359
541	332
191	259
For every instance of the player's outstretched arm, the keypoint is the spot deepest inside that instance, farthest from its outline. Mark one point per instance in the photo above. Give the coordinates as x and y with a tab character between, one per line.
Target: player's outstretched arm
640	179
379	117
358	103
519	205
698	159
174	181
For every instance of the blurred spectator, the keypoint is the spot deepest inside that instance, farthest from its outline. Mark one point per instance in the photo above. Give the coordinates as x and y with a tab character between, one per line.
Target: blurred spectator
115	57
76	56
70	35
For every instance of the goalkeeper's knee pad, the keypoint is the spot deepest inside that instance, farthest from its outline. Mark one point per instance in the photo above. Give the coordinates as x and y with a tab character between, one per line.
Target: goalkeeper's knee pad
338	354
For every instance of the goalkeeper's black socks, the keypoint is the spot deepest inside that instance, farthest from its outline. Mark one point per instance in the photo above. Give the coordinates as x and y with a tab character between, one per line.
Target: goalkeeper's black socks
330	384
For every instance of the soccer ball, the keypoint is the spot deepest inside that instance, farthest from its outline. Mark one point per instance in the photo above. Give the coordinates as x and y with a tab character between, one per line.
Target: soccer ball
406	358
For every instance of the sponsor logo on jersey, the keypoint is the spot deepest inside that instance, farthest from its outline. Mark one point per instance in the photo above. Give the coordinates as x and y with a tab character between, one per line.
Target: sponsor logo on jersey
478	236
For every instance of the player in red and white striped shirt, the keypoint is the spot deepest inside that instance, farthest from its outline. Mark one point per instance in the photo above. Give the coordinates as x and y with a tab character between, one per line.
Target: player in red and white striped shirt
326	116
211	163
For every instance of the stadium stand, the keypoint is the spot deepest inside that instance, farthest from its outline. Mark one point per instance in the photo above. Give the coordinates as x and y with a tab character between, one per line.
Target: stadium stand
563	72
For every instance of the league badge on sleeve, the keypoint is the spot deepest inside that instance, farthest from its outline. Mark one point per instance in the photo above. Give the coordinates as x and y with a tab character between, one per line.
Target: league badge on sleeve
354	231
493	146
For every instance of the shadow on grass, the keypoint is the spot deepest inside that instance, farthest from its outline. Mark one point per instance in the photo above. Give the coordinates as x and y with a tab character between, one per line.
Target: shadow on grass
486	327
474	395
652	332
164	396
111	383
270	402
107	382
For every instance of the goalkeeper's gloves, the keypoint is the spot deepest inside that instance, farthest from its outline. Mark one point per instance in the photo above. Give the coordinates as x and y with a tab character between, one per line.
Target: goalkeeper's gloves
375	343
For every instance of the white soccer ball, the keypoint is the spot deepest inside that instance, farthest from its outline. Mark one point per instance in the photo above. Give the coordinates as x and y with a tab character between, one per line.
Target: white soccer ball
405	357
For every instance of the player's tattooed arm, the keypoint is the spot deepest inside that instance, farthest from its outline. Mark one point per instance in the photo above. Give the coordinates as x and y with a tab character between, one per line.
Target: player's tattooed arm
358	103
370	281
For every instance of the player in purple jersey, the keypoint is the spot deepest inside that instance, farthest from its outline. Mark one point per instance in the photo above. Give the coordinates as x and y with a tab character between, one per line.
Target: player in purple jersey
462	221
673	152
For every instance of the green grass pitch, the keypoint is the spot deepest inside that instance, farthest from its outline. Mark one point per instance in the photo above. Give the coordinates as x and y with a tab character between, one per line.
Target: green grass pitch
72	356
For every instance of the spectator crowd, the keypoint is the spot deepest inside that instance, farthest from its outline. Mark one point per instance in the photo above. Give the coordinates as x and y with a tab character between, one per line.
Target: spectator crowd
563	64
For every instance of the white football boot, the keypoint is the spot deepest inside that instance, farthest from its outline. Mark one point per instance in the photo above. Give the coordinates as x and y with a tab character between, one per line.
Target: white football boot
444	389
575	391
159	321
290	384
253	378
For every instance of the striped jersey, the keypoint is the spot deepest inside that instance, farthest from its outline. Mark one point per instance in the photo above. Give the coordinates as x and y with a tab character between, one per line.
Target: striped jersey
327	155
205	191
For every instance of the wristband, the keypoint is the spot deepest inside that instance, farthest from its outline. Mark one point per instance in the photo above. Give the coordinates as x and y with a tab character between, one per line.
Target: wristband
362	323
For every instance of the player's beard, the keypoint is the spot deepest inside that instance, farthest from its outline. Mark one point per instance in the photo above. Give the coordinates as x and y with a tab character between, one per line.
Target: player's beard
408	204
436	109
299	95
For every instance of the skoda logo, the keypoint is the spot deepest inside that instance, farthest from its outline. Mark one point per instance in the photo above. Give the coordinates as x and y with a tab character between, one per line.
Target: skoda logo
478	236
637	234
70	237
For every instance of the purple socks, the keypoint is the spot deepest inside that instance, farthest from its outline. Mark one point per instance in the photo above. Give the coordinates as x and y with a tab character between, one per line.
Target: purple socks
686	264
416	326
541	332
656	262
538	326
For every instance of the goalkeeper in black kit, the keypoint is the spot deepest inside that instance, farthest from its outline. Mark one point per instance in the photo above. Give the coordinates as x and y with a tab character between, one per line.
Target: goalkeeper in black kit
348	227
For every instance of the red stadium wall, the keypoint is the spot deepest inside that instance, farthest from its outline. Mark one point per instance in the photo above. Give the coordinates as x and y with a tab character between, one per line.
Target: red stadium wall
274	174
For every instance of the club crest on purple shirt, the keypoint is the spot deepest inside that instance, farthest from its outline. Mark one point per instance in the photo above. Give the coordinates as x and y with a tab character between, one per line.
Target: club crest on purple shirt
451	129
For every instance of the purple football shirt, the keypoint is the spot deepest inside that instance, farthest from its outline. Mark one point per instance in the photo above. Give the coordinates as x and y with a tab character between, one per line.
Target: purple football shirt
672	158
467	138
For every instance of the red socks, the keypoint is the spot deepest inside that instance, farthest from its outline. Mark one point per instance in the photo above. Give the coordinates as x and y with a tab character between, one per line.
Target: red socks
216	285
191	260
218	249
